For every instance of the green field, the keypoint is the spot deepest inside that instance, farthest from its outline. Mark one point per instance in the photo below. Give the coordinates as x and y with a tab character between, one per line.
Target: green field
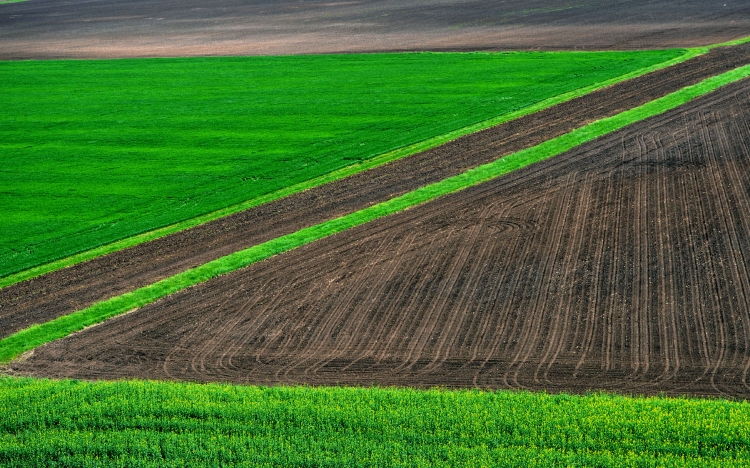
161	424
95	151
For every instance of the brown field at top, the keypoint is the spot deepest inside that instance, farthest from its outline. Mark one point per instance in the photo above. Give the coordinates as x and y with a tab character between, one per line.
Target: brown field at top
620	265
70	289
40	29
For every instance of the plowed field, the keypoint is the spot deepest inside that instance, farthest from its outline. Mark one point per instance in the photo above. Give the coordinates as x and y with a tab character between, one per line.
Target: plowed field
621	265
67	290
136	28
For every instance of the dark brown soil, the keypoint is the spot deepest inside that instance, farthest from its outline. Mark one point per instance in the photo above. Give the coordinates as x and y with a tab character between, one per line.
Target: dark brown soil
65	291
136	28
621	265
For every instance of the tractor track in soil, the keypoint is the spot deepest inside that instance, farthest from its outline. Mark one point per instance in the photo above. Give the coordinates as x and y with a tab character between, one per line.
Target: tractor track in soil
620	265
61	292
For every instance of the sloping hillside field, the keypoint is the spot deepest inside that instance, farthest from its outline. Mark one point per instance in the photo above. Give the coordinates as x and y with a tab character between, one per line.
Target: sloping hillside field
95	151
526	259
73	288
619	265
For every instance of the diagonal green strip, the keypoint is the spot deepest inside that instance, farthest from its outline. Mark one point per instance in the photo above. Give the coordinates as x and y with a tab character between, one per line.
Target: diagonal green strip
376	161
37	335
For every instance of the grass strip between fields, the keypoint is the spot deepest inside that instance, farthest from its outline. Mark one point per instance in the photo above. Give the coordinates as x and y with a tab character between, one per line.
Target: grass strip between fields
335	175
61	327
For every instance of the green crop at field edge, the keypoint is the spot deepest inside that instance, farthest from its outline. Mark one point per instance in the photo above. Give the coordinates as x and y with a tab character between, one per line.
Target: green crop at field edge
165	424
97	151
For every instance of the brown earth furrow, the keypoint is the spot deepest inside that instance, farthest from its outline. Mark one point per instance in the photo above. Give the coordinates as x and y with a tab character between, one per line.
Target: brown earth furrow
397	327
480	353
410	297
198	363
480	326
390	317
735	265
424	344
235	345
464	312
741	338
575	252
357	326
641	290
667	337
616	266
680	279
621	265
335	319
590	325
306	349
586	325
611	224
580	337
709	326
697	223
536	319
610	338
61	292
725	273
458	312
512	281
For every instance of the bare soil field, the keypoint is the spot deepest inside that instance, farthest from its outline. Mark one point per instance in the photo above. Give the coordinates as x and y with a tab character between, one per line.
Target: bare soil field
621	265
40	29
70	289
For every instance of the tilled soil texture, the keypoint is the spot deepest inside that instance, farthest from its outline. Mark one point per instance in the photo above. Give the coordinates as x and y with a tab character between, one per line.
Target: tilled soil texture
39	29
621	265
74	288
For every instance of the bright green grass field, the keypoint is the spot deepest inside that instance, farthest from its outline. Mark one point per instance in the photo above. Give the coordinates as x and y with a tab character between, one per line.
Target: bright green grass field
162	424
95	151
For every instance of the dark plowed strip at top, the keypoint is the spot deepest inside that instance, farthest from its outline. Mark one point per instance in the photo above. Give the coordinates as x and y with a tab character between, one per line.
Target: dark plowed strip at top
64	291
622	265
41	29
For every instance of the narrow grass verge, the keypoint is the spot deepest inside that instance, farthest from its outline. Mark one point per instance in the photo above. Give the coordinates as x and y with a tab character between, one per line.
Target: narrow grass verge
138	423
37	335
332	176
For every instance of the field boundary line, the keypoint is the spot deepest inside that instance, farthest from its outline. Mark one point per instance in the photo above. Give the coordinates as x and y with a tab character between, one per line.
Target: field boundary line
335	175
36	335
735	42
